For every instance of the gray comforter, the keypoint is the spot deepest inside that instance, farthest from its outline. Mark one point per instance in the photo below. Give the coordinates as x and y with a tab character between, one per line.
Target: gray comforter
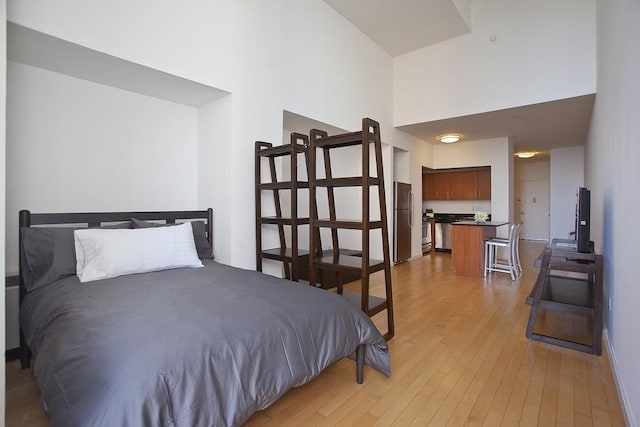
185	347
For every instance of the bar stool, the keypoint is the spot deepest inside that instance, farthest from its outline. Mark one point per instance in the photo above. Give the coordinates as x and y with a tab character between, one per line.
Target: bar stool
515	248
513	266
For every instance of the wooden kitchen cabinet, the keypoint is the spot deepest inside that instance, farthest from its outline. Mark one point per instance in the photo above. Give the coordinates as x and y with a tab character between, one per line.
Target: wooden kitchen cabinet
455	186
438	186
470	184
425	186
484	184
464	185
428	186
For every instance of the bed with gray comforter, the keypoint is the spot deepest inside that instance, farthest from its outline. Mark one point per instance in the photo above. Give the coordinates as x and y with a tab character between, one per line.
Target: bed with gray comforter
186	347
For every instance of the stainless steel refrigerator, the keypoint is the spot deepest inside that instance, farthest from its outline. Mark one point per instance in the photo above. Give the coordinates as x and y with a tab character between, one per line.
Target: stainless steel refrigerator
402	221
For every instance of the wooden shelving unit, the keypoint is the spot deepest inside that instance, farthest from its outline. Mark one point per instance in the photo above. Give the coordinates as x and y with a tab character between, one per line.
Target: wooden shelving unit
353	263
293	258
569	282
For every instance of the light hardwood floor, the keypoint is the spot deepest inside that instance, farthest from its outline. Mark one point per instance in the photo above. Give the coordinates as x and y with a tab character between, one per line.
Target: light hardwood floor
459	357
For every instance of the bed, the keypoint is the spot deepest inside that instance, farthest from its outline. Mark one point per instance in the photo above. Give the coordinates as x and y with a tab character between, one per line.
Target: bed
205	346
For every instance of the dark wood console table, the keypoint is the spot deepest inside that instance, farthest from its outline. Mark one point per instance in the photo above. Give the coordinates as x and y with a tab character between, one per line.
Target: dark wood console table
569	282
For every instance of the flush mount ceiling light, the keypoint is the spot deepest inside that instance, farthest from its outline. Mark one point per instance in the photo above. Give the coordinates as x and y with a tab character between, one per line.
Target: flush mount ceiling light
526	154
449	138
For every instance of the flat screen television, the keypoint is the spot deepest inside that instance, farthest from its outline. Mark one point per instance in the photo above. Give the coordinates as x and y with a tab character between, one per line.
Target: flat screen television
583	220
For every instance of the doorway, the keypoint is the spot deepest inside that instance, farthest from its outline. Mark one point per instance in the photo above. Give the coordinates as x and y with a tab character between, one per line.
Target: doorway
532	209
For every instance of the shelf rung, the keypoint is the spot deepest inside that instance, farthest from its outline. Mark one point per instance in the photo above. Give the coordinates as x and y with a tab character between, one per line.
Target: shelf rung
342	251
342	140
564	265
567	308
565	343
279	150
282	254
282	185
574	294
282	220
376	304
347	224
345	182
347	263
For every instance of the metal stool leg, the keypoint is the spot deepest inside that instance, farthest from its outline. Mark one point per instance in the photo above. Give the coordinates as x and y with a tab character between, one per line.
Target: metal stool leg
486	259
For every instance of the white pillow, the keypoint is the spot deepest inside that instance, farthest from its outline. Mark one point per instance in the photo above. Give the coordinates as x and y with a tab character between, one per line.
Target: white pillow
103	253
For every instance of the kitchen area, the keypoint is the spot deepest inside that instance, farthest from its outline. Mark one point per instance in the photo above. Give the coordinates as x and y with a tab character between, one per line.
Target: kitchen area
450	196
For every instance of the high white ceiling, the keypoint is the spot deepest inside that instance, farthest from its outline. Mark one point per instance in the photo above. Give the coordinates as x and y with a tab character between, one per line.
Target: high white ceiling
402	26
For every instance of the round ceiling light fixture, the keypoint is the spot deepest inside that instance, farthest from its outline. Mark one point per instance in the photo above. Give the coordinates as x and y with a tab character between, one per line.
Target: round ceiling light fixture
449	138
526	154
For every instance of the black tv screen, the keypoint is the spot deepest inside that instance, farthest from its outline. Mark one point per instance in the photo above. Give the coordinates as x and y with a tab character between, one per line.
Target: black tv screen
583	220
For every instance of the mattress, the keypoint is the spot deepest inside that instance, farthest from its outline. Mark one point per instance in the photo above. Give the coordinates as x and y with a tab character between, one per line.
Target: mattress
185	347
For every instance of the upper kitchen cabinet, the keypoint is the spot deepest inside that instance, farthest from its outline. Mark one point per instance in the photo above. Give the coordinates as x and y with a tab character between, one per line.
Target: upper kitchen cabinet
464	185
436	186
484	184
425	186
468	184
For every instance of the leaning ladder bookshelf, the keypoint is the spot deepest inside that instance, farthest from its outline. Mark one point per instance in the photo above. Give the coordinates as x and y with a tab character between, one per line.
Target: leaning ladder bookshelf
291	256
340	260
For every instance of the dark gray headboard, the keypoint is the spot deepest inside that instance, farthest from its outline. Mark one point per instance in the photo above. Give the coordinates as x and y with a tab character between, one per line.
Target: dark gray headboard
95	219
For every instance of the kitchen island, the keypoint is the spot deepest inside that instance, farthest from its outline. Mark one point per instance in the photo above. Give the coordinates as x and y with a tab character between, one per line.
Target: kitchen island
467	246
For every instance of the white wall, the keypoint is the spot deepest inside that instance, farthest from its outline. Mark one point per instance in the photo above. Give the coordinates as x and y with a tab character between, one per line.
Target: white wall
611	172
3	80
401	166
74	146
324	81
273	56
190	39
458	206
532	170
544	50
214	135
497	153
258	67
566	175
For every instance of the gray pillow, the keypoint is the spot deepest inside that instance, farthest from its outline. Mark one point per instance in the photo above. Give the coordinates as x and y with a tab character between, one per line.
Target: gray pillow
199	235
120	225
48	255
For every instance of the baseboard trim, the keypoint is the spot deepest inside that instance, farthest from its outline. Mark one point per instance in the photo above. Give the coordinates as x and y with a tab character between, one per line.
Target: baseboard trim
416	257
12	354
616	379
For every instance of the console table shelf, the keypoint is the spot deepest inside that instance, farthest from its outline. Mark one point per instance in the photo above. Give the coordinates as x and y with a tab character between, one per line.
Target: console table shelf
568	282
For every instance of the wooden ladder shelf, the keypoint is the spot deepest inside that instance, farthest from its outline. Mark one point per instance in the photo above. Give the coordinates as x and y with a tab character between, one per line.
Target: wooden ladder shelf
293	258
350	263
